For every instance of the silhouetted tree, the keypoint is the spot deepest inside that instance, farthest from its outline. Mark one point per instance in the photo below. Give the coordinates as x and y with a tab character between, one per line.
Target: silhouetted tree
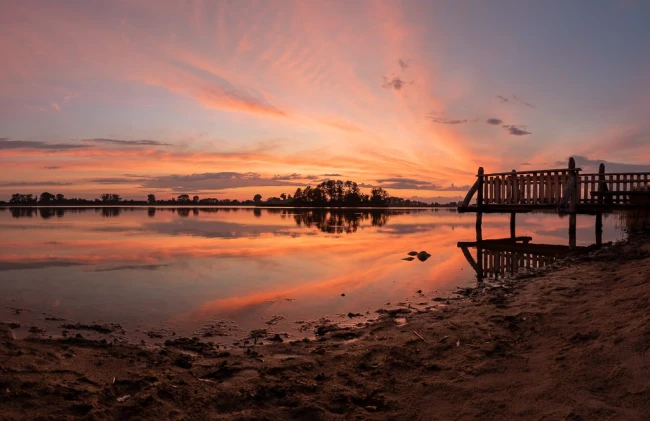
339	193
22	199
60	198
183	198
46	198
378	196
195	200
351	194
151	199
110	198
257	199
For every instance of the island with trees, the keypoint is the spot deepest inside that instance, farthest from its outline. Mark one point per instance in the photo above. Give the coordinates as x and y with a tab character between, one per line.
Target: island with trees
329	193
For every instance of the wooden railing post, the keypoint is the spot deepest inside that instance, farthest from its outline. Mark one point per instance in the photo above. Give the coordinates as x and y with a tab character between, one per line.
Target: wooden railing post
602	185
573	182
514	195
569	201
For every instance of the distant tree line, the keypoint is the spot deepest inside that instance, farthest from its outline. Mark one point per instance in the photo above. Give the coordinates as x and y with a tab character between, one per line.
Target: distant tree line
330	193
49	199
185	200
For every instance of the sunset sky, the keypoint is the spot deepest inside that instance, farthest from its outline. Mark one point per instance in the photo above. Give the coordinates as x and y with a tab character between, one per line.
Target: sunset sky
228	99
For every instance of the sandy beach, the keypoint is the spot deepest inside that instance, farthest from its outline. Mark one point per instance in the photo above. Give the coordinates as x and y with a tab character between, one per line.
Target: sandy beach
571	343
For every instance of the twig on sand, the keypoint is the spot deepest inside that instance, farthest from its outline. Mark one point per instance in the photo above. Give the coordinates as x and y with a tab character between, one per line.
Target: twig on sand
420	336
491	340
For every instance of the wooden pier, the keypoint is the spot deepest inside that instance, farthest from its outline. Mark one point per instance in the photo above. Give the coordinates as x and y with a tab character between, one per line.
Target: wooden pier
565	189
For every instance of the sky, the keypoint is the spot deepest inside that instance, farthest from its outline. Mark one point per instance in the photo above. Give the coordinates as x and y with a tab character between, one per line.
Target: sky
227	99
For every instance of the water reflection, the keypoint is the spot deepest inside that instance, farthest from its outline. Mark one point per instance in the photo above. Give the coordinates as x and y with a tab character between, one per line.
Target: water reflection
500	257
331	221
338	222
23	212
186	266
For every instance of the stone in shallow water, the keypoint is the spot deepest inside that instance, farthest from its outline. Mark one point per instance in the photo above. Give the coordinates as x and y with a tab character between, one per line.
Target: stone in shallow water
412	253
423	255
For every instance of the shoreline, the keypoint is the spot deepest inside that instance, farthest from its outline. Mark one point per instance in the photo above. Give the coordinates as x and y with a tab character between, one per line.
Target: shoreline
568	343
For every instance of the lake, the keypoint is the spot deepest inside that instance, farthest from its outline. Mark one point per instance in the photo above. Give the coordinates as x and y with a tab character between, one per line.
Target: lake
237	269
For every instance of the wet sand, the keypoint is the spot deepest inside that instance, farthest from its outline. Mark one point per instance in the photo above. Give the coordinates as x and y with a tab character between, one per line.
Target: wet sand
572	343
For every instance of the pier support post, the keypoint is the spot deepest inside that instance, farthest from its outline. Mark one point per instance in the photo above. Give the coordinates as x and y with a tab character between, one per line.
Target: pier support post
479	204
569	202
572	231
479	263
513	224
599	229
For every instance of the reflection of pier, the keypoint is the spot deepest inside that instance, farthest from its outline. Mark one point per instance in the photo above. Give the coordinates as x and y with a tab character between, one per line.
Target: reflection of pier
499	257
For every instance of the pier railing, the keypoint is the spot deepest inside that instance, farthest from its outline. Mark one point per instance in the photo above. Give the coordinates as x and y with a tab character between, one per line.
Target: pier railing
565	189
612	188
527	187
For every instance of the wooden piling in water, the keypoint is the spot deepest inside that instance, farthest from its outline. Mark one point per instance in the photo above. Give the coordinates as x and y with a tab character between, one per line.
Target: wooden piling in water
479	192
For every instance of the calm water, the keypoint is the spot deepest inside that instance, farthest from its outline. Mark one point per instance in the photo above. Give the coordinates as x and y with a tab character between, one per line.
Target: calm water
185	268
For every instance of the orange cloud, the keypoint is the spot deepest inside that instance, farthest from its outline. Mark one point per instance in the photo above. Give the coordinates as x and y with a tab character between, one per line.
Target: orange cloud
257	67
